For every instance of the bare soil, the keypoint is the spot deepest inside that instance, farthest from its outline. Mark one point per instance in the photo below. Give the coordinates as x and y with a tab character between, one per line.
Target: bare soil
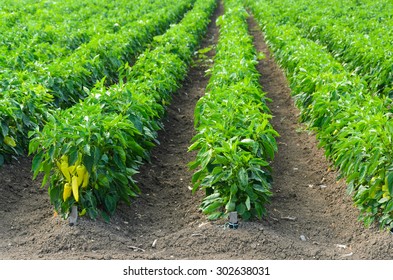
310	215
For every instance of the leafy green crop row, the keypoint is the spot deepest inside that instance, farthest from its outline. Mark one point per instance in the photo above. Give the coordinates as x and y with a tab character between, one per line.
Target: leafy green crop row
360	40
353	126
55	31
235	140
28	97
101	57
357	33
109	134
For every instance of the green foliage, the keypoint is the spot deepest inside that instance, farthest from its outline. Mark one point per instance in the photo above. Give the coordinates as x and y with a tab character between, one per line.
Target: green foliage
113	129
235	140
358	34
36	84
353	124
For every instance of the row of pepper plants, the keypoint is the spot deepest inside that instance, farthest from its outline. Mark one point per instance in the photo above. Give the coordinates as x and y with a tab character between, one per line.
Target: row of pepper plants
55	31
85	60
354	126
30	97
235	140
89	153
358	34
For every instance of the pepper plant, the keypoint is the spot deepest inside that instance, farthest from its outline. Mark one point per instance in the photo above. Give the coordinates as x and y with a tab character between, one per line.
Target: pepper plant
235	140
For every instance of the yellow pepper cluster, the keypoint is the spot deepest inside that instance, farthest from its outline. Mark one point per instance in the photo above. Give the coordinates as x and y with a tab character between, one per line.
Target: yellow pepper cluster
75	175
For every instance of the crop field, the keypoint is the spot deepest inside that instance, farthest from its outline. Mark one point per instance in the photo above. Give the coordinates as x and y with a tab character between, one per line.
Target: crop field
133	129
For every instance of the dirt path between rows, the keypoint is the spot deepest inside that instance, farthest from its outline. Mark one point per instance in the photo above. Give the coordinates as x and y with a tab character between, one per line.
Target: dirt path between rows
310	216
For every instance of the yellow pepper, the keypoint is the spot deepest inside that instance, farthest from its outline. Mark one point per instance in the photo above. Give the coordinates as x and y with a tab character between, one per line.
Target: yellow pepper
80	171
9	141
85	179
71	169
67	191
65	171
75	190
83	212
64	168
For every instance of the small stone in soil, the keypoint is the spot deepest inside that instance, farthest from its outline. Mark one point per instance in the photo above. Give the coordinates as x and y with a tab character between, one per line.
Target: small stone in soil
302	238
347	255
341	246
